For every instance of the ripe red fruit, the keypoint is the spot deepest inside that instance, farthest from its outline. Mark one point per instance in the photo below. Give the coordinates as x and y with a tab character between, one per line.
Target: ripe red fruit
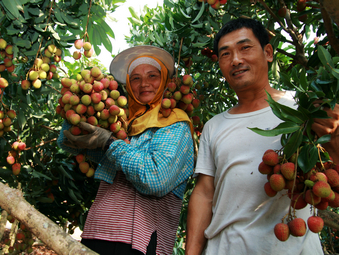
332	177
311	199
10	160
121	134
287	170
80	158
321	189
20	236
270	158
315	224
298	202
214	57
322	205
21	146
268	190
84	166
16	168
282	12
297	227
264	168
335	202
282	231
277	182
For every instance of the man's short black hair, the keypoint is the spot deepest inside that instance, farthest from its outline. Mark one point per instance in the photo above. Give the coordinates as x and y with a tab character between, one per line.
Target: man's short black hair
258	29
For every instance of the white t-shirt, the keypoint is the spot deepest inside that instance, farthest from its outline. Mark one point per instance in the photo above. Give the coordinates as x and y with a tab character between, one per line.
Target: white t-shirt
243	215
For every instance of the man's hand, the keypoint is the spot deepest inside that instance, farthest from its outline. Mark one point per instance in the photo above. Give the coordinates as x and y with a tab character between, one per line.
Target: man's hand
329	126
96	138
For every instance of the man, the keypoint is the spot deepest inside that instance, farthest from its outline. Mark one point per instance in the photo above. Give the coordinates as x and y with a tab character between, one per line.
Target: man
229	211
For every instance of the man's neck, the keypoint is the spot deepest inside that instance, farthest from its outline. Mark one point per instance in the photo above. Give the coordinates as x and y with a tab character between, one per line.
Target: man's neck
250	101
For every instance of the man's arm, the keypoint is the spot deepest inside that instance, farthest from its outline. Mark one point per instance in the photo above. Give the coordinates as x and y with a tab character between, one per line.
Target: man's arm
199	214
329	126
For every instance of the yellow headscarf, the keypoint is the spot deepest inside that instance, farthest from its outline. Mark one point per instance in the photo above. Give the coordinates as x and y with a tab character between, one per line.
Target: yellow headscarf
143	116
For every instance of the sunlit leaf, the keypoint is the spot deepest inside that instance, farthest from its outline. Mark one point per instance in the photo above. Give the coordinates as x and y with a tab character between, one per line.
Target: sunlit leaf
283	128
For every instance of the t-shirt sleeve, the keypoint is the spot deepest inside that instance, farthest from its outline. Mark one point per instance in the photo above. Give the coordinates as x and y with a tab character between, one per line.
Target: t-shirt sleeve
205	161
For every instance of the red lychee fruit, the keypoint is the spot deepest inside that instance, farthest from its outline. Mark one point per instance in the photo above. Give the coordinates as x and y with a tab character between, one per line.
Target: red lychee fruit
270	158
311	199
277	182
298	202
315	224
84	166
321	189
268	190
297	227
16	168
322	205
332	177
80	158
264	168
282	231
318	176
335	202
287	170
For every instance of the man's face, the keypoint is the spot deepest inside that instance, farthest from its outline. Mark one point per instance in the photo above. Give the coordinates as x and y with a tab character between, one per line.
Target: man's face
242	60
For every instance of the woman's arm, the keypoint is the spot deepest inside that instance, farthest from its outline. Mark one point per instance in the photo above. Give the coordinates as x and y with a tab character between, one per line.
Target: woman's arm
160	165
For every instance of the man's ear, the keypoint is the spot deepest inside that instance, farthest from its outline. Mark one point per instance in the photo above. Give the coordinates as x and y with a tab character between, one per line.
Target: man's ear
268	51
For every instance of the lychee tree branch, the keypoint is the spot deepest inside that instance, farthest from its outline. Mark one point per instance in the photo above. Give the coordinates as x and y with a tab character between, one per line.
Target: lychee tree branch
41	226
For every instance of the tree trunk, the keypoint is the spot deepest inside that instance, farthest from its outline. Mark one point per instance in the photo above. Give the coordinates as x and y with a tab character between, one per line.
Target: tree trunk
3	222
41	226
331	219
332	8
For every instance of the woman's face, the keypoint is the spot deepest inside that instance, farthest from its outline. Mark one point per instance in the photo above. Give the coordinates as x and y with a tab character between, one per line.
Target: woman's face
145	80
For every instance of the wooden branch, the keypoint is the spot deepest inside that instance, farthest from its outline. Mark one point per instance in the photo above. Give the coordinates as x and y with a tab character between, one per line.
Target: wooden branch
3	222
331	219
41	226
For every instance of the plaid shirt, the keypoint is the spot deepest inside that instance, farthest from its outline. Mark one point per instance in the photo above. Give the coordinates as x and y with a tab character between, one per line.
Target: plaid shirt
156	162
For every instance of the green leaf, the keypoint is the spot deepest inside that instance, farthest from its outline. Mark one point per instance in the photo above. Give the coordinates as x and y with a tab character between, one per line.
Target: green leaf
106	28
134	15
335	73
58	16
13	7
72	195
308	157
283	128
37	174
202	9
323	139
184	14
21	119
284	112
69	20
325	58
64	172
293	143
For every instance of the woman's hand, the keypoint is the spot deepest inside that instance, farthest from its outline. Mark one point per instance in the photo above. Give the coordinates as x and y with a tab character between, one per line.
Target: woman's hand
96	137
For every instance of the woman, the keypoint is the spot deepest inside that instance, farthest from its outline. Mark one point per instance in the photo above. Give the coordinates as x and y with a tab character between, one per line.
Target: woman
137	207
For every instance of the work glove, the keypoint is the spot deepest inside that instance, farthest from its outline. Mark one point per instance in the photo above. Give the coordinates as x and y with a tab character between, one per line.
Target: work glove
96	138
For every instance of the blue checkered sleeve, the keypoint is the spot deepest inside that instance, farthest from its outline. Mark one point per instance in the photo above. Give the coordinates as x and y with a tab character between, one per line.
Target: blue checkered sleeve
158	161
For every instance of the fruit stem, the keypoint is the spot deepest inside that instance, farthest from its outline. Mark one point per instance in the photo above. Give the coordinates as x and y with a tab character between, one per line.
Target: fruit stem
89	12
181	41
322	150
294	180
